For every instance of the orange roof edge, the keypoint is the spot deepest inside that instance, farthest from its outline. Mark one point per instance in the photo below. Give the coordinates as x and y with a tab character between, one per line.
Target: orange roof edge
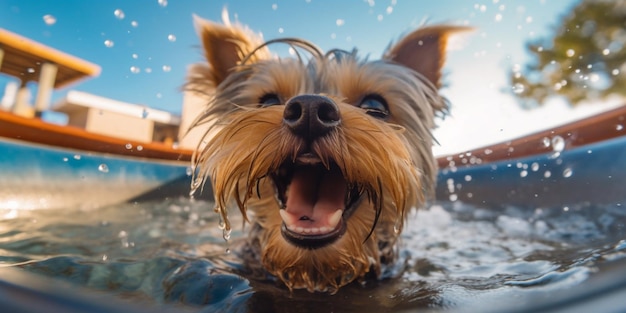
55	56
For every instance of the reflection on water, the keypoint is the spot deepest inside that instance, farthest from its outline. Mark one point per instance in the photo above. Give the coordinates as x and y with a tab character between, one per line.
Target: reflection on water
454	256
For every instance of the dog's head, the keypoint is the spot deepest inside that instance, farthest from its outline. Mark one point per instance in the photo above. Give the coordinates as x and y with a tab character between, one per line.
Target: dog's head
322	152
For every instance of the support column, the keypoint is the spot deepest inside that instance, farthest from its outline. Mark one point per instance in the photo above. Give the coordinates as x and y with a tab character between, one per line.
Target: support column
22	107
47	77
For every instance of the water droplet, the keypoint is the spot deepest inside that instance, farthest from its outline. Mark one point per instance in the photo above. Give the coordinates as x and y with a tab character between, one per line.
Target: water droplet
606	51
518	88
109	43
104	257
30	70
139	148
134	24
570	52
135	56
615	72
65	159
523	173
189	171
619	127
49	19
103	168
547	174
567	172
148	70
135	70
171	37
226	234
488	151
453	197
227	250
558	143
119	14
534	167
76	156
498	17
129	146
166	68
162	3
340	22
468	177
565	209
274	6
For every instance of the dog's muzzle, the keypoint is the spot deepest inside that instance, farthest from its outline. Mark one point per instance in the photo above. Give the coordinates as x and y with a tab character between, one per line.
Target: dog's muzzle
315	199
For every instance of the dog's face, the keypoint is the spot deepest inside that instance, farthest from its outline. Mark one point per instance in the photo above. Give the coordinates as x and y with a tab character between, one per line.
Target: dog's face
323	154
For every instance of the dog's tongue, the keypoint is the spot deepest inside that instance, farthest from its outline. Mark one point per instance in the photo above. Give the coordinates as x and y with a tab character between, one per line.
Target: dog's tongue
315	199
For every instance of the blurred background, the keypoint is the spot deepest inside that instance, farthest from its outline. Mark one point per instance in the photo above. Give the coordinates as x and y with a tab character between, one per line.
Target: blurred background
528	66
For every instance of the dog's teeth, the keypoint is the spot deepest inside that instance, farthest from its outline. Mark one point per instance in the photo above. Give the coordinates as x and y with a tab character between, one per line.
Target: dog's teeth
324	229
335	218
315	230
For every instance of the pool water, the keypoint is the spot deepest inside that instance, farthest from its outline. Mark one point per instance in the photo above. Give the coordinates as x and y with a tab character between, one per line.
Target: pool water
454	256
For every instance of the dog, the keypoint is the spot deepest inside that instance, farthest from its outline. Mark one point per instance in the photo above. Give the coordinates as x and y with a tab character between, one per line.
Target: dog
323	154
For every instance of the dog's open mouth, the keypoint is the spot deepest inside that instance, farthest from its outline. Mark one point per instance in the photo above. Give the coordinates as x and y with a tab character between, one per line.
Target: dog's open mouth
315	201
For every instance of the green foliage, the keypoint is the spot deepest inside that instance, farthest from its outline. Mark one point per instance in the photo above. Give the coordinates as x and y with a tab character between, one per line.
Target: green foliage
586	59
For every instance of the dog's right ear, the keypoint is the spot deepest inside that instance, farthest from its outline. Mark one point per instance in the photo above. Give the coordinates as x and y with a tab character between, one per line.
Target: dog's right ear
225	46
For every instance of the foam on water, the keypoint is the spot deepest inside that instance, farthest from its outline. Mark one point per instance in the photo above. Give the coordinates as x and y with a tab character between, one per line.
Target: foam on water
453	256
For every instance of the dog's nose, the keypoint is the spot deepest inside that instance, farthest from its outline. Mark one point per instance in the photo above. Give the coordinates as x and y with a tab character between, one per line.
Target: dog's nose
311	116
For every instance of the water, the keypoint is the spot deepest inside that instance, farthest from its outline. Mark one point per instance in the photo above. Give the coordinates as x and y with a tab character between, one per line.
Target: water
454	256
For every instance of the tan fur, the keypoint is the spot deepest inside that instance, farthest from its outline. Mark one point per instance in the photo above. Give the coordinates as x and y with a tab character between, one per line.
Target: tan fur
391	160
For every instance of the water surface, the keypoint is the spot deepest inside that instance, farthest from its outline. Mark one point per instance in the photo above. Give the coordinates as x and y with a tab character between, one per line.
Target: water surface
454	257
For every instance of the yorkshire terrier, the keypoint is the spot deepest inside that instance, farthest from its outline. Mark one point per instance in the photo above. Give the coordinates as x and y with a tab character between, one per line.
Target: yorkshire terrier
323	154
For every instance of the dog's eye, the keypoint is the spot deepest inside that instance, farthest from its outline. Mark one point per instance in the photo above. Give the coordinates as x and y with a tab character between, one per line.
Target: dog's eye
375	106
269	100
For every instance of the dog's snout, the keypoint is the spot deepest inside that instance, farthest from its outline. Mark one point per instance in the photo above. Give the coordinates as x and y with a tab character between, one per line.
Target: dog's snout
311	116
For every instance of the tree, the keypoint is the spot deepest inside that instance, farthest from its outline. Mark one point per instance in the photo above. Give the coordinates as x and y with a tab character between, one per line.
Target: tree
586	59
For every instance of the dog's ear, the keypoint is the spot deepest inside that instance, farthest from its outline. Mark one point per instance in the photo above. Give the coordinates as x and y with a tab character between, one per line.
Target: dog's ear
225	46
423	50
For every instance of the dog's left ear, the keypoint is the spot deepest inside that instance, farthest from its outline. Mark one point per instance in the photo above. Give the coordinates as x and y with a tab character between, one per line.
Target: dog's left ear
423	50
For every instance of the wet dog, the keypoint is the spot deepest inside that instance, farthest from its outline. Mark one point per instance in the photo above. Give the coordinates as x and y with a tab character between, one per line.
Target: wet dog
323	153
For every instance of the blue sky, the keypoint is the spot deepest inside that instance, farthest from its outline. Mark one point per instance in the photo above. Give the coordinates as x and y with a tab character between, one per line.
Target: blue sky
157	40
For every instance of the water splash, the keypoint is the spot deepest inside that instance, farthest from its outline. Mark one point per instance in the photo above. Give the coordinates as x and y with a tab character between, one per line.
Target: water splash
109	43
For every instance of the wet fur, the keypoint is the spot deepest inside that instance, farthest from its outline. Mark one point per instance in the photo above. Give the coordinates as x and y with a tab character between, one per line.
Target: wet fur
391	160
